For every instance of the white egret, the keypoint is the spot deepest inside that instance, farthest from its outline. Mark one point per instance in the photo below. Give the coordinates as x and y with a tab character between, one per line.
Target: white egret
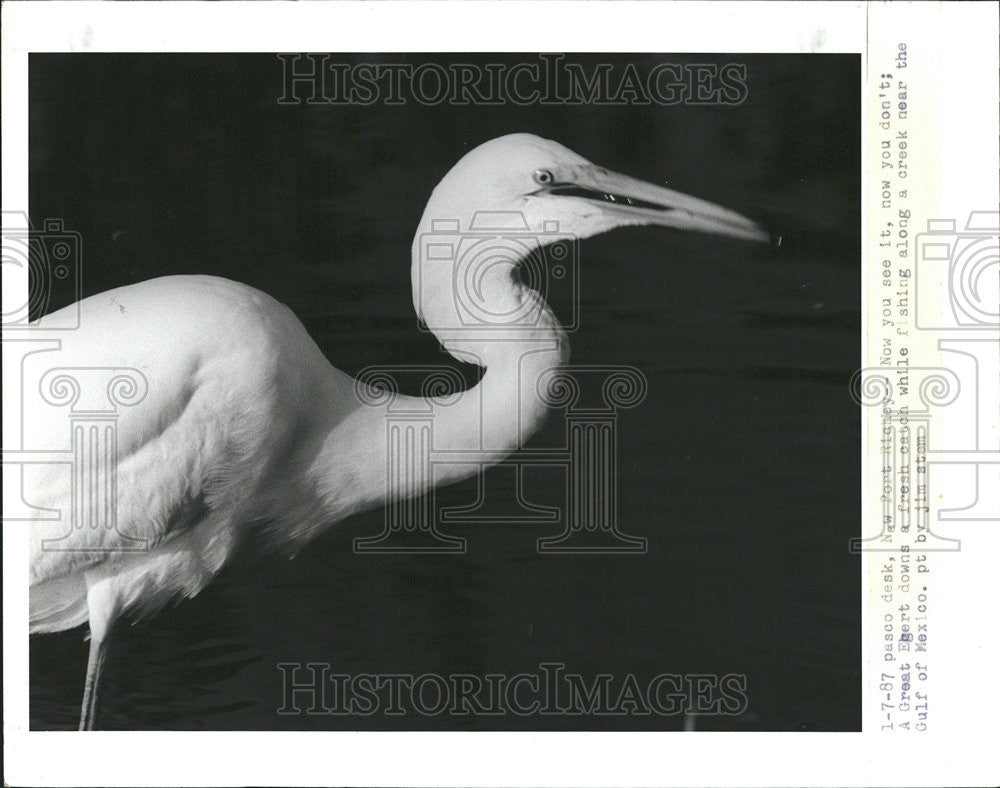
246	427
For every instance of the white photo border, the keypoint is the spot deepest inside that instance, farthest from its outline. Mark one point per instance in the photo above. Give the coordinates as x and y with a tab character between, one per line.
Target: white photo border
952	60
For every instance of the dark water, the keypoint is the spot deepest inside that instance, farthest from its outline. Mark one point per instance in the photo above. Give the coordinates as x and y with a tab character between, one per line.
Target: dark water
741	467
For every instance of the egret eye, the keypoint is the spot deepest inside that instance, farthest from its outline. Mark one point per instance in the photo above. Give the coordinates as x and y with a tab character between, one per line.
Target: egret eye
543	177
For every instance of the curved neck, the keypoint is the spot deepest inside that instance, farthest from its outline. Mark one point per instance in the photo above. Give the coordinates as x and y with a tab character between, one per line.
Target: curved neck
467	291
394	447
403	446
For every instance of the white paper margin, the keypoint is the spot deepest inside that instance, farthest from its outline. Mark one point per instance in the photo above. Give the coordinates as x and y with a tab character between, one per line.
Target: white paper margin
955	43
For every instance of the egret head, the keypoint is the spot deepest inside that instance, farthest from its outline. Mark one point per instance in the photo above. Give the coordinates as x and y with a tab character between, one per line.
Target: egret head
519	192
546	182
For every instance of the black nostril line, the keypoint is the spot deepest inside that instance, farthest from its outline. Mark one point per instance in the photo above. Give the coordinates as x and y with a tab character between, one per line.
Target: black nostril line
572	190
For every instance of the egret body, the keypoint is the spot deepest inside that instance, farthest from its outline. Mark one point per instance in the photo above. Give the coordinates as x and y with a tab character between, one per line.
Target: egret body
246	428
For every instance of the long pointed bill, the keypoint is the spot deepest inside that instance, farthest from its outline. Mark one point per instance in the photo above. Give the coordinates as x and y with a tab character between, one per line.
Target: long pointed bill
645	203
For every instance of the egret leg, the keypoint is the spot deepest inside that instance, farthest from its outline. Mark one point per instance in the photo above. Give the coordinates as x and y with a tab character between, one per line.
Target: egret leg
91	690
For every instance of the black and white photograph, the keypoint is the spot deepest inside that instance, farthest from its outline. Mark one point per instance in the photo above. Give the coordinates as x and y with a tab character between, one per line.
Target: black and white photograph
543	297
483	390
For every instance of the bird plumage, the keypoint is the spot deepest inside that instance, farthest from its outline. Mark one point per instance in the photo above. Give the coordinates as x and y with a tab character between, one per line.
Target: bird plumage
225	438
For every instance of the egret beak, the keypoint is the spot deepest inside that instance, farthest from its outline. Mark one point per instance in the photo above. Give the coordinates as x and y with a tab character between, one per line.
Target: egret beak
639	202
